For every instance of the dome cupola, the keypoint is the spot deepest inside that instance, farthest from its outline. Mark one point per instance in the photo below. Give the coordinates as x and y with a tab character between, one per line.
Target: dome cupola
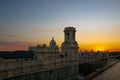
52	42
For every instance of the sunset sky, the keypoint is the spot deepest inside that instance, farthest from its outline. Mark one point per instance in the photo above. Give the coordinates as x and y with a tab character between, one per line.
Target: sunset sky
25	23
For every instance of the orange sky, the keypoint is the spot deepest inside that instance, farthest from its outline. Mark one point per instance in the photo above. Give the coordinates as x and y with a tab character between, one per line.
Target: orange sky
102	47
106	38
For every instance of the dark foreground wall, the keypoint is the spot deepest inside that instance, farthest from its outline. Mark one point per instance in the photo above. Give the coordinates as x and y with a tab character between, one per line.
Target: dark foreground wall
63	73
87	68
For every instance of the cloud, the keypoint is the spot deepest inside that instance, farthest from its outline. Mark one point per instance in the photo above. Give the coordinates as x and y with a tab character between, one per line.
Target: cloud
12	46
6	43
4	37
5	34
1	35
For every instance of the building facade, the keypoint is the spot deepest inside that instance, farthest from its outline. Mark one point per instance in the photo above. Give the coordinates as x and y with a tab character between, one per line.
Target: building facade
70	45
69	48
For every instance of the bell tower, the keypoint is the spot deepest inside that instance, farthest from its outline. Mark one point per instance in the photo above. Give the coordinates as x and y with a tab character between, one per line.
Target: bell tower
70	46
69	33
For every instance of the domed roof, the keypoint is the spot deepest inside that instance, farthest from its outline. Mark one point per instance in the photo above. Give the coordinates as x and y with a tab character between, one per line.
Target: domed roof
52	42
44	45
38	45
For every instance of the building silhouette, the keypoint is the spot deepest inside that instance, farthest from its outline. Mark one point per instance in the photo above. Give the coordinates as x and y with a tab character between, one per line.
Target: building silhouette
69	48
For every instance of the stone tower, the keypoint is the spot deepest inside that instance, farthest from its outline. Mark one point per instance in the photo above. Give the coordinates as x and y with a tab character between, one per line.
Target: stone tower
70	46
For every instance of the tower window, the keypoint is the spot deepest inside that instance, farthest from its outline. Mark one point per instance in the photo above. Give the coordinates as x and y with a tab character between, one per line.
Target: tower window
67	35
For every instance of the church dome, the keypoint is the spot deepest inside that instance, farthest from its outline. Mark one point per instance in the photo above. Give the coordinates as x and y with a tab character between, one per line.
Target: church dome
44	45
38	45
52	42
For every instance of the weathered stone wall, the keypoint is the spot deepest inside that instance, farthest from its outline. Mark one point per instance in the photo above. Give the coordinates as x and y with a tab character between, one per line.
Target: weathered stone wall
62	73
12	68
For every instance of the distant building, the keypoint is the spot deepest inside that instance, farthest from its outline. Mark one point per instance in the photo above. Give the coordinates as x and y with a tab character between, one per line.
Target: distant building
52	47
17	54
69	48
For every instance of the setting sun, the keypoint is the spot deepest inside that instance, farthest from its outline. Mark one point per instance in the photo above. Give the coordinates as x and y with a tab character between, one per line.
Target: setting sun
100	48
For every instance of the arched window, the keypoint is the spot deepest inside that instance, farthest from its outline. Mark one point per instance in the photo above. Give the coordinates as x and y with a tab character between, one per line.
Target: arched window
67	35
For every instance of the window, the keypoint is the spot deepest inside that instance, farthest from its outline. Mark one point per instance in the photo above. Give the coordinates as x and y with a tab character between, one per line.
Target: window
67	35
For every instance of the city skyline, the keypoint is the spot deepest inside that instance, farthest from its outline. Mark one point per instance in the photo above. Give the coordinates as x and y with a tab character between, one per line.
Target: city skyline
25	23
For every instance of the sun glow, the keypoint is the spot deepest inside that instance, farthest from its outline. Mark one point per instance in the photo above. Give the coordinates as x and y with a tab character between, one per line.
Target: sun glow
100	48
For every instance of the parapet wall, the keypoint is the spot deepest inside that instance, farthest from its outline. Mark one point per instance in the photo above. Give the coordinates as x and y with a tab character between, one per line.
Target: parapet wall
11	68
